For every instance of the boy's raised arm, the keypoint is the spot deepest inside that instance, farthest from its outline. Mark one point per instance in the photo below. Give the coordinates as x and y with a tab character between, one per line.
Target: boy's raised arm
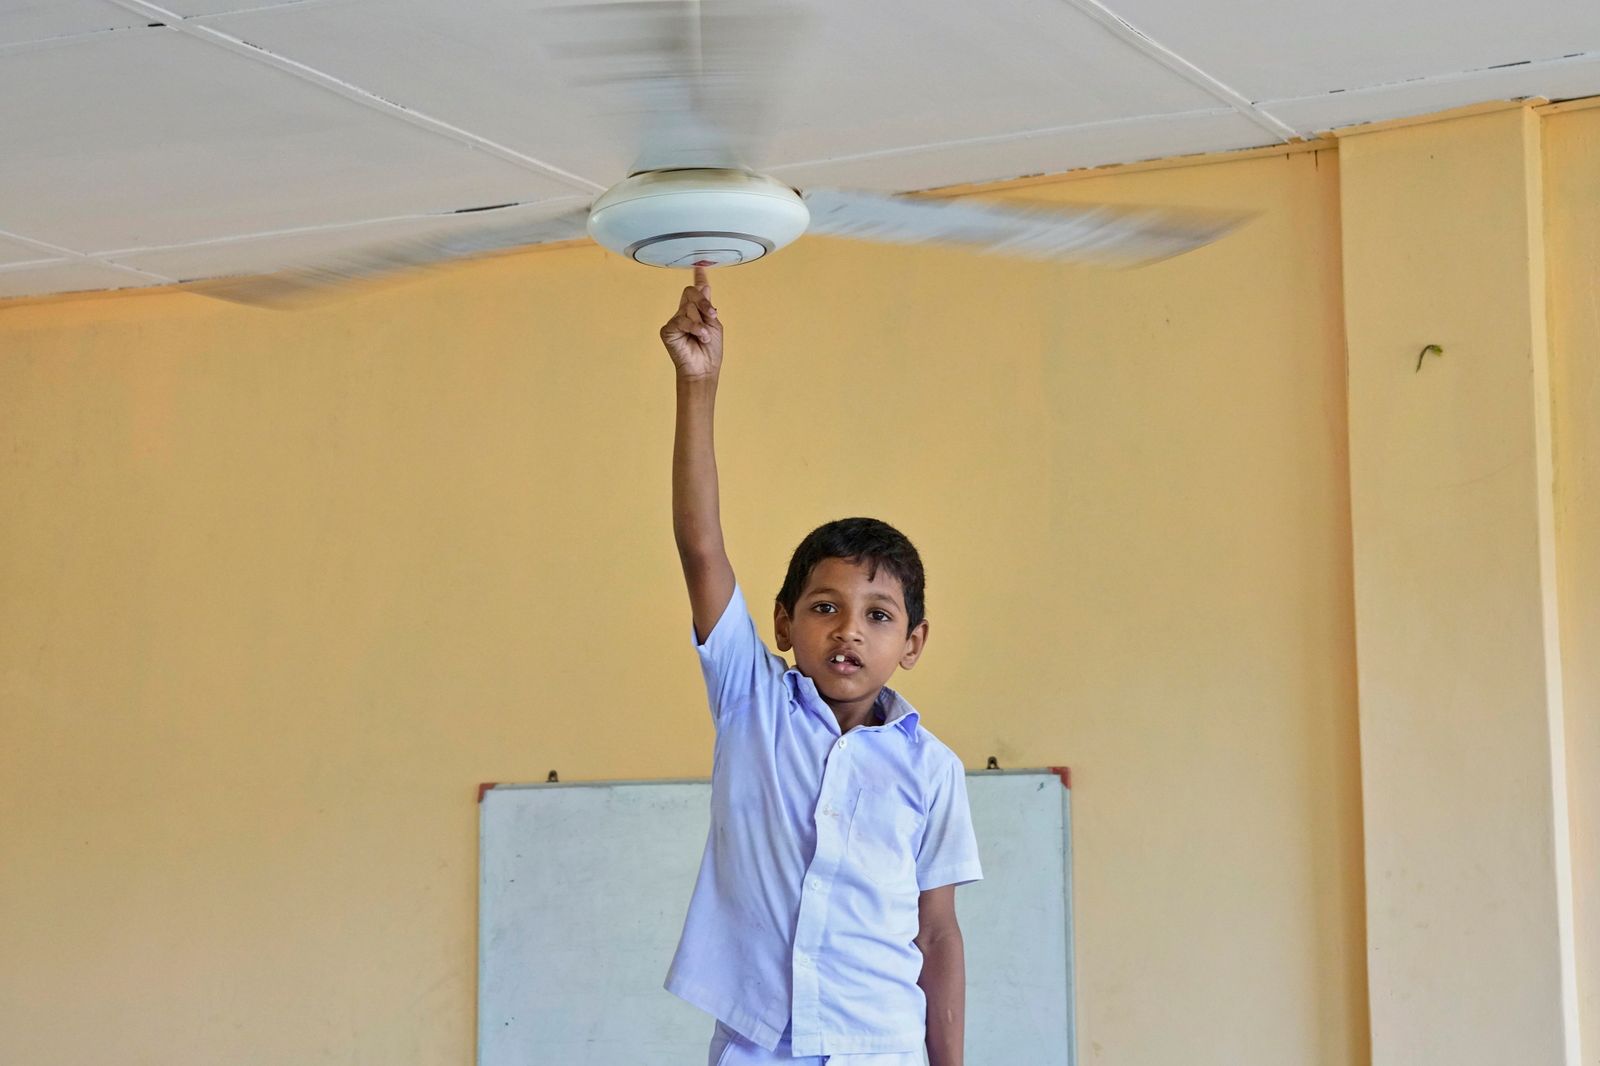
693	338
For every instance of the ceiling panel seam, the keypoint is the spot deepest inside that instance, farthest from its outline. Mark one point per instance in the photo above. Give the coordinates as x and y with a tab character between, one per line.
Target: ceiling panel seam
40	43
43	246
30	264
356	93
255	9
123	268
145	276
1575	59
68	255
328	227
1014	135
1144	43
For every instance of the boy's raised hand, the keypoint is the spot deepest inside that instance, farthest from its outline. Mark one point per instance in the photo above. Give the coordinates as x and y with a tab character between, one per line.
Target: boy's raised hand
693	336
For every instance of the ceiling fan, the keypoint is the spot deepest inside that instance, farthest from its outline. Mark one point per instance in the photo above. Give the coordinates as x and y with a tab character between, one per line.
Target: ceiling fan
689	82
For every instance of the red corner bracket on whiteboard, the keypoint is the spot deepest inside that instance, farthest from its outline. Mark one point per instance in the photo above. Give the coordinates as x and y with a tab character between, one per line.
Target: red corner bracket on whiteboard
486	786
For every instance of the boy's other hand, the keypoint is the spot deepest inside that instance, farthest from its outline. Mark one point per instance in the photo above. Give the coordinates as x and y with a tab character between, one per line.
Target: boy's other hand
693	336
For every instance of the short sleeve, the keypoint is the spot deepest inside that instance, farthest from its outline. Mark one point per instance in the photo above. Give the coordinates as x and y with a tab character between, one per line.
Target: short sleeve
733	659
949	850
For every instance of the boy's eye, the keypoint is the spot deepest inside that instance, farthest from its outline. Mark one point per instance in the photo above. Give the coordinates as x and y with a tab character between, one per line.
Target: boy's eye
880	616
823	608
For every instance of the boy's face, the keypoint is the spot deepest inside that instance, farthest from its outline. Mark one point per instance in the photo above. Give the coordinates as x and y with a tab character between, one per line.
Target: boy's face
849	633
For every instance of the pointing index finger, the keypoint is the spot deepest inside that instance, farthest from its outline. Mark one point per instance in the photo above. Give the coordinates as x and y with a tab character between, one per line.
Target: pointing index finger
700	281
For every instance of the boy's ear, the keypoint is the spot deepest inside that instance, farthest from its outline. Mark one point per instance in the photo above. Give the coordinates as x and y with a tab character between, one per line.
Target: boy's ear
780	627
916	640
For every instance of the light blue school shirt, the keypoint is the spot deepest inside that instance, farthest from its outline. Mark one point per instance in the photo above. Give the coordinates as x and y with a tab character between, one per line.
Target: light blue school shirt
805	910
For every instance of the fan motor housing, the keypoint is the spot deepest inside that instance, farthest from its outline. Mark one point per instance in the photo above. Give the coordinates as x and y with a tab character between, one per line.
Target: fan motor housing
686	218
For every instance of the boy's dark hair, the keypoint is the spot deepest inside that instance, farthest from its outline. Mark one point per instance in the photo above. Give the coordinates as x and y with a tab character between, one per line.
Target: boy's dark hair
858	540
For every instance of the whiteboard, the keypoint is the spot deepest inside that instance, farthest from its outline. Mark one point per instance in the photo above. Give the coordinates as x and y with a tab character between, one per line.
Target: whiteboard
583	888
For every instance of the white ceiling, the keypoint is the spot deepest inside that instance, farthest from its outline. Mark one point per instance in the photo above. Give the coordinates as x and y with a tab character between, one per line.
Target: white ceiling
143	144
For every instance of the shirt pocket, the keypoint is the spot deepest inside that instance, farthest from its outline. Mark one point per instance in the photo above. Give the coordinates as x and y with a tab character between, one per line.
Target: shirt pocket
882	842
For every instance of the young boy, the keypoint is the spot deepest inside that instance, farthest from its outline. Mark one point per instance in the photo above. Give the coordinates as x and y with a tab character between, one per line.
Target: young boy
823	925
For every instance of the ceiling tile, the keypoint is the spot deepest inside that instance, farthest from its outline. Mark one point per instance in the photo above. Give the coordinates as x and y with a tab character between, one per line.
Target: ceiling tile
1036	153
865	76
66	276
1273	51
1555	81
261	255
471	63
156	138
906	72
40	20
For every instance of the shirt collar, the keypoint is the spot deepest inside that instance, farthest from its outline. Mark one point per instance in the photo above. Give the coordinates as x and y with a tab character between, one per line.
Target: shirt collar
900	712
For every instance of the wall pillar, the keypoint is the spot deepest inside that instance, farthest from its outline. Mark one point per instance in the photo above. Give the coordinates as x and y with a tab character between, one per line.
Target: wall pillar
1469	914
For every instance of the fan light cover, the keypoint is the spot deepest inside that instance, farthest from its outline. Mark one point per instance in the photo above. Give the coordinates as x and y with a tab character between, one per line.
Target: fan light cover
680	218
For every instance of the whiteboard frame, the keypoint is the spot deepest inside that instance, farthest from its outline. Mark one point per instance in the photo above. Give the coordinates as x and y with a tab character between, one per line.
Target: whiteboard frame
1057	773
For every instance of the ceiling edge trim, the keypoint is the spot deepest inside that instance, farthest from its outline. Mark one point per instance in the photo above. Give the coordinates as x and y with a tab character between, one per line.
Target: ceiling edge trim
1582	103
1468	111
1177	162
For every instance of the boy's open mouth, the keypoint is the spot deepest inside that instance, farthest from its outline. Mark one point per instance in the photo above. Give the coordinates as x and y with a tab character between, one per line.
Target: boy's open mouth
843	662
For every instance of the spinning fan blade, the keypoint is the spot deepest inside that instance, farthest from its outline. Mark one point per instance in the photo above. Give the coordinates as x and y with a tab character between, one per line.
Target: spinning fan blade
452	239
1115	235
689	82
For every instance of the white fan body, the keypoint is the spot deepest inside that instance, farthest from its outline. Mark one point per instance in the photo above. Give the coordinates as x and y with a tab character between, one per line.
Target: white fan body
685	218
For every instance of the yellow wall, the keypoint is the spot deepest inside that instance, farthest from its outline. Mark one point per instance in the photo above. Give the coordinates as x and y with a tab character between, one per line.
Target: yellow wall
1572	227
277	590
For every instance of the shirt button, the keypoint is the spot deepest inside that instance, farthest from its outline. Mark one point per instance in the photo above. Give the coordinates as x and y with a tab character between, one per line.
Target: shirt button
816	884
843	742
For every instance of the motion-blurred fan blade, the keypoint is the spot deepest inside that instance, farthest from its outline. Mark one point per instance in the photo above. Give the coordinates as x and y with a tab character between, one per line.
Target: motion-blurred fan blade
1116	235
453	239
688	83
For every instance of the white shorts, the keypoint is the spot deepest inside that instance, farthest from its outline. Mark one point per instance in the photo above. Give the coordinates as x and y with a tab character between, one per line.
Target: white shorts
728	1048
